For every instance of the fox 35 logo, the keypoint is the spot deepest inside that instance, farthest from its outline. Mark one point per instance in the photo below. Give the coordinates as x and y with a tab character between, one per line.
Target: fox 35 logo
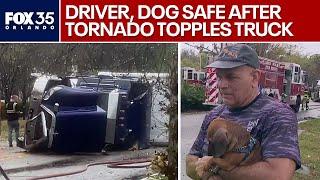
29	21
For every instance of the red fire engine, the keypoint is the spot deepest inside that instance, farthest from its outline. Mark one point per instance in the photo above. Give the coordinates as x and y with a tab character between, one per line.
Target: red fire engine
285	81
192	76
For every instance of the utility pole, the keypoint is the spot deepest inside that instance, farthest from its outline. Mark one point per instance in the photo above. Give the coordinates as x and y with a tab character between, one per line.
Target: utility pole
200	53
200	60
0	110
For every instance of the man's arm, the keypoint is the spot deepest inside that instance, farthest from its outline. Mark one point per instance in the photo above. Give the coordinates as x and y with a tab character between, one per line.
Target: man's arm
196	150
272	168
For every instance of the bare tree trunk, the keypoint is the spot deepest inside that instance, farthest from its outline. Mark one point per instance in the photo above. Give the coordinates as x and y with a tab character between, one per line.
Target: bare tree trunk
0	110
173	122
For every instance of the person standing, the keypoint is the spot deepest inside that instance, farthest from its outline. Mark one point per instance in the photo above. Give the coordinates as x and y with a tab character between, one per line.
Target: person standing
298	103
13	120
270	122
305	101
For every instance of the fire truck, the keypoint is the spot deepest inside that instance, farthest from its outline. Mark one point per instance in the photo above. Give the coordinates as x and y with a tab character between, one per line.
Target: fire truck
192	76
285	81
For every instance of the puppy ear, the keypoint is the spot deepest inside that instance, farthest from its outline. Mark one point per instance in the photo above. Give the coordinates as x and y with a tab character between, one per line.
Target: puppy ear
233	141
218	143
211	149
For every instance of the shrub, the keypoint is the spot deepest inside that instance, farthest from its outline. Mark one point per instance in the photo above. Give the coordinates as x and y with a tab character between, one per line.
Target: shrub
192	97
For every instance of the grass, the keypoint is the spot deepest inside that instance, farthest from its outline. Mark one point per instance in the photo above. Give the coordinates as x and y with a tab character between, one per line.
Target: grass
309	143
4	129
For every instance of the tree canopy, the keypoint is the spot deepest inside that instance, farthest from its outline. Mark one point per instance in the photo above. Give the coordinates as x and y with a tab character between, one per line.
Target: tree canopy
18	61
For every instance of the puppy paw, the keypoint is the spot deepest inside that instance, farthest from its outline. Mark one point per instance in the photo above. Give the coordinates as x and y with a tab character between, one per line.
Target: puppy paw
203	165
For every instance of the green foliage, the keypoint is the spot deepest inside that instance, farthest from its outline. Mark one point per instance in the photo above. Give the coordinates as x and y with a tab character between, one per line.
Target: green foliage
190	59
188	63
204	60
192	97
157	176
312	66
309	143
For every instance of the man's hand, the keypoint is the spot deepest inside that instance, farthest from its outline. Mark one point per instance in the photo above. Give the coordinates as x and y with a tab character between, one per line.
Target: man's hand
203	165
192	162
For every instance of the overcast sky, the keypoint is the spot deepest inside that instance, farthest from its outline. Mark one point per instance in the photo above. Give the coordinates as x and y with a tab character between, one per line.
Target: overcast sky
309	48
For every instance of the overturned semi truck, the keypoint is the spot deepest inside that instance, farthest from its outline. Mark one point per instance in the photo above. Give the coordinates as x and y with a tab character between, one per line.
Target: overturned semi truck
90	113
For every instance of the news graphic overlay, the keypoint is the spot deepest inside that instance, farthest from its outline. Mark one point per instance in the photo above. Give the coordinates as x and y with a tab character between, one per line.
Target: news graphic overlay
187	20
30	20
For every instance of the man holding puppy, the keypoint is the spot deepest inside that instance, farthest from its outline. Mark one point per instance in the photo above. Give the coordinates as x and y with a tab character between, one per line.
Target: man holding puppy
270	122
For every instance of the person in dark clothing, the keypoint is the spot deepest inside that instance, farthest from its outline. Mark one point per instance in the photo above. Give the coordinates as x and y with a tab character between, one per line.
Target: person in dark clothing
305	101
13	120
298	103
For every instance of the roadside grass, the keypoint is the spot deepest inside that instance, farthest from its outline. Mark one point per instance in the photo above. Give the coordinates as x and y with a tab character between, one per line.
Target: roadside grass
4	129
309	142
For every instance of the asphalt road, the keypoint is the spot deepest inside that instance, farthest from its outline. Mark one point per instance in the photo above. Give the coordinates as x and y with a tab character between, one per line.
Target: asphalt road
98	172
21	165
190	125
191	122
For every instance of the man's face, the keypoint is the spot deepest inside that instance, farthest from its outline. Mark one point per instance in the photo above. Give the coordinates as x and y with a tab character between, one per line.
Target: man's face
237	85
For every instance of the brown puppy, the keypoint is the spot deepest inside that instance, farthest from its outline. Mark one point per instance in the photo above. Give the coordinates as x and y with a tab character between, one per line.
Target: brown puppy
230	145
